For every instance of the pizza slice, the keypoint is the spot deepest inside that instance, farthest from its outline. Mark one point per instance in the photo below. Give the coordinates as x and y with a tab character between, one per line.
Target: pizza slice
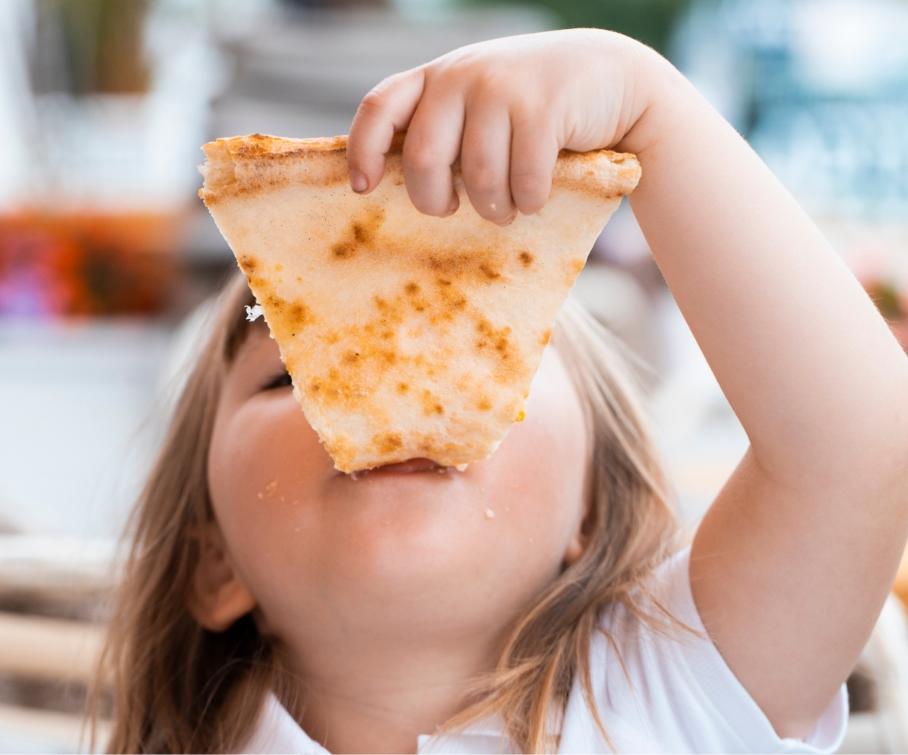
406	336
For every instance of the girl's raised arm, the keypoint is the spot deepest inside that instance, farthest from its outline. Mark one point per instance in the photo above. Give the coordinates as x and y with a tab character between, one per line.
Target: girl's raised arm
792	563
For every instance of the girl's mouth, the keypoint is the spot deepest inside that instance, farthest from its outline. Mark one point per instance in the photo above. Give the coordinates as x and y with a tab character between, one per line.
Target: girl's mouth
410	466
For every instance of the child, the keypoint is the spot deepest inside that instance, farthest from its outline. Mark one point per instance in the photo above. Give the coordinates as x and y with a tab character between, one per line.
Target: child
271	603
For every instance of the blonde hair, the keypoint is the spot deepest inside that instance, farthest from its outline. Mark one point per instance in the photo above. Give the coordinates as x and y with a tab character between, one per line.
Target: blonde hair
178	687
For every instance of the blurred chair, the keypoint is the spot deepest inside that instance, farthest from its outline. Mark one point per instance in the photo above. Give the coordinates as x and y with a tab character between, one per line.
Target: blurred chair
50	590
879	683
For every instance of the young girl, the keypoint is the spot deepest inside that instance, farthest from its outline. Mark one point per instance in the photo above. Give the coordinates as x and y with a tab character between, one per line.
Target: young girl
271	603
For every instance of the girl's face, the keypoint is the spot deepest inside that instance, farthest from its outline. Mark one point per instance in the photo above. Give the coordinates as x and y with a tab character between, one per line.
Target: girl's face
329	558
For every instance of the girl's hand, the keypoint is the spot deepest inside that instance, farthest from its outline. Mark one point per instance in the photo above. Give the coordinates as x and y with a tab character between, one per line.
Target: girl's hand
505	107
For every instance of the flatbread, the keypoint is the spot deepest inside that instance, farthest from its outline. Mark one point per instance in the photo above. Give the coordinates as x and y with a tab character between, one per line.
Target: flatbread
405	335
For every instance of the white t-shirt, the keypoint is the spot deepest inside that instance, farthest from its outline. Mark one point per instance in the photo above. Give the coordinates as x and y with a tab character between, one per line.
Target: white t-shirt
681	696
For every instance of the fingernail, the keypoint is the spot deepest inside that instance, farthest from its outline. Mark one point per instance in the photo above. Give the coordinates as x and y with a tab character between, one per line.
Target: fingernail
358	181
452	208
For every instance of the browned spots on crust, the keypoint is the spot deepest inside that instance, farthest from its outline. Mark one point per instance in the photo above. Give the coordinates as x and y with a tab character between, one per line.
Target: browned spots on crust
361	233
286	318
592	187
344	390
412	290
572	269
590	173
299	314
402	388
278	268
385	443
430	404
270	163
343	249
454	264
488	271
433	449
248	263
497	337
526	259
264	146
545	337
274	172
449	265
497	343
342	451
367	352
484	405
451	300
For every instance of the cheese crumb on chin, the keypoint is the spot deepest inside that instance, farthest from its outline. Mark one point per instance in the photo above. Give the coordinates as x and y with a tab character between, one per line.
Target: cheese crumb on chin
253	313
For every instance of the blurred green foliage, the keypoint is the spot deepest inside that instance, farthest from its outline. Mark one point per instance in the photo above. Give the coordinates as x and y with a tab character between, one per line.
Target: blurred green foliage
650	21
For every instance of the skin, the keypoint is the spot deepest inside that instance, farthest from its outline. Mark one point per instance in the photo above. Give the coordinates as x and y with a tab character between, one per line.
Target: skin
388	590
792	562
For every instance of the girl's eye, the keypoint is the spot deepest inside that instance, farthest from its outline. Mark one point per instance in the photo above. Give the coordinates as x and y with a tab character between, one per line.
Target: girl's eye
279	381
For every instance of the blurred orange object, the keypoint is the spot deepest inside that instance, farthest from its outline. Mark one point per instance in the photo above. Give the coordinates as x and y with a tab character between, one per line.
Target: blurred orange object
900	587
86	263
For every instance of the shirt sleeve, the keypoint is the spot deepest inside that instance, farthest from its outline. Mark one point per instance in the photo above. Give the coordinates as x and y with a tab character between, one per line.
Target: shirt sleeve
700	662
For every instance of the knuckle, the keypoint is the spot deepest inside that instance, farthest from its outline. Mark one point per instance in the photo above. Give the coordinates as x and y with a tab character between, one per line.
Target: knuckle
482	178
527	181
374	101
489	83
423	158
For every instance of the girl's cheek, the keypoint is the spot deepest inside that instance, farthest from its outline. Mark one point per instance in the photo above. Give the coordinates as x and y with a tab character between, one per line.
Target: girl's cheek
265	463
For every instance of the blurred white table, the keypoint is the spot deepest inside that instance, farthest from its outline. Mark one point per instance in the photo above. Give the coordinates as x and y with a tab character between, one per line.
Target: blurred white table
73	400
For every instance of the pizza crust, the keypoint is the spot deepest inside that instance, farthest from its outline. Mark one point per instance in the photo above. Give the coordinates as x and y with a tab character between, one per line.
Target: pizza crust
405	335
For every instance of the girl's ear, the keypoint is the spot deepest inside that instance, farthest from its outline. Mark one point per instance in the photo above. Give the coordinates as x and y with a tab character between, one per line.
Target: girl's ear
217	595
578	542
575	549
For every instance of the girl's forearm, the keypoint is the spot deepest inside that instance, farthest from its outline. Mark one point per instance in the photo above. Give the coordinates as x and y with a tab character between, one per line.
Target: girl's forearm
810	367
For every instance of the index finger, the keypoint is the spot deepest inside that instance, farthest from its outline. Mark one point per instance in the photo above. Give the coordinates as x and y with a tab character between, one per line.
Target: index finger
387	108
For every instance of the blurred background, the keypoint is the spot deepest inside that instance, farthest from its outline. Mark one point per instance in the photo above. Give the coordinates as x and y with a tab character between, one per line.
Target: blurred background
107	257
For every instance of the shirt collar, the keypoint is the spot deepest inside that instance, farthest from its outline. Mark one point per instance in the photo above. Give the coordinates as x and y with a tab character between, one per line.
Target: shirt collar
277	731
